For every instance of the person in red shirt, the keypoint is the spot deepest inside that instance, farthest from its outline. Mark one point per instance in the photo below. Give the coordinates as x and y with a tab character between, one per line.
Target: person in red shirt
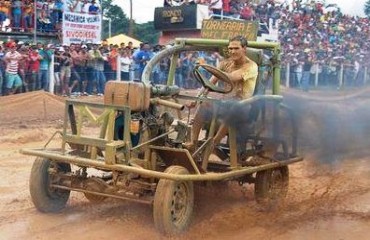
226	7
112	59
34	67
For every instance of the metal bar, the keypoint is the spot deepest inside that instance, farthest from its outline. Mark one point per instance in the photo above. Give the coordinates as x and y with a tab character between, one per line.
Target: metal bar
102	194
190	157
54	156
153	139
225	42
171	73
262	97
276	72
201	147
166	103
95	104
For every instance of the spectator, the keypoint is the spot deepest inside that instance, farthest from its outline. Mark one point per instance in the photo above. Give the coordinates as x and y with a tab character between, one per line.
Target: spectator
143	56
80	63
45	53
12	80
126	62
4	13
23	66
34	67
2	65
17	14
112	60
28	16
65	71
216	8
85	6
98	61
94	8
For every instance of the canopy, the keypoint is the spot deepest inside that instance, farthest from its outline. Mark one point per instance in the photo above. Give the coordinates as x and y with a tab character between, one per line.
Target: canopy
122	38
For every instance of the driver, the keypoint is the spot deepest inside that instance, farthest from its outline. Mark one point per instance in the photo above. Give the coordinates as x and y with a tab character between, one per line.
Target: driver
242	72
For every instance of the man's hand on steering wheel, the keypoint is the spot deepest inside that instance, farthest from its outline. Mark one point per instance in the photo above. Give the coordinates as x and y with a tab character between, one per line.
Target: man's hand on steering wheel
220	75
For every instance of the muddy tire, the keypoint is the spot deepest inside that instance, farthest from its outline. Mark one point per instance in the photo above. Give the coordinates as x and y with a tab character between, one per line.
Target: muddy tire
45	198
271	186
173	203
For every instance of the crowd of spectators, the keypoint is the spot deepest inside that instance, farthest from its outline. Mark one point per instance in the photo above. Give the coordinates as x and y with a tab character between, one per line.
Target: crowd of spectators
19	15
83	69
315	42
314	36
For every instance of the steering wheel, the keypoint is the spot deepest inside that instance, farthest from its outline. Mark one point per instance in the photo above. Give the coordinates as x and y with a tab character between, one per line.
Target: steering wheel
220	75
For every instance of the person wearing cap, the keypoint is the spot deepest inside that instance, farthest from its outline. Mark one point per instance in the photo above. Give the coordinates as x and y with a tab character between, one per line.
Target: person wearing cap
12	80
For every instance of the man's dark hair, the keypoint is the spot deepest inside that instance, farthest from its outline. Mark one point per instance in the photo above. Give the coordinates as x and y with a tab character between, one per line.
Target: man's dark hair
243	41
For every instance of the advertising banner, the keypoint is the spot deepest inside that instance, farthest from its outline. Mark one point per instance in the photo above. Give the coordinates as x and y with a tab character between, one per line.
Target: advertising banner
82	21
184	17
78	27
226	29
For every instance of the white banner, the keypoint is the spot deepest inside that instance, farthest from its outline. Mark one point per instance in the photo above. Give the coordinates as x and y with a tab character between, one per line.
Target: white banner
78	27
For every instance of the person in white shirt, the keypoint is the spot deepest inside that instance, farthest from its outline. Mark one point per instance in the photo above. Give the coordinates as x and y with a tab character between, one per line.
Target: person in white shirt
216	7
85	6
126	62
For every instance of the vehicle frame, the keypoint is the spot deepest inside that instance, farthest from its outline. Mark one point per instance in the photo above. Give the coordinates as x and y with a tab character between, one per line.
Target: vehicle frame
163	175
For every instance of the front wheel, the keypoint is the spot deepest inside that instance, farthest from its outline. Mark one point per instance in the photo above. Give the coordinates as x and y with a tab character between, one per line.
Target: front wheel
271	186
173	203
45	197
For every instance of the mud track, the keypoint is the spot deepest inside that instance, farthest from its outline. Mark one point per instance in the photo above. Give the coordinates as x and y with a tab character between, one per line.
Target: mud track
329	193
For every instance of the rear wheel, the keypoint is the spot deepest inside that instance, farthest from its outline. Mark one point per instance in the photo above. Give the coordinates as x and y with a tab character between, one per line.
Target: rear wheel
271	186
44	173
173	203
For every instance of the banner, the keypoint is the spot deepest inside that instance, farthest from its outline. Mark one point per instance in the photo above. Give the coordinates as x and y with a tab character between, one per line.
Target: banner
185	17
226	29
79	28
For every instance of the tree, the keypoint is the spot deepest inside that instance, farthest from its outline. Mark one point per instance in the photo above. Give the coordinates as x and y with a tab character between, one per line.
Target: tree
146	33
120	23
367	9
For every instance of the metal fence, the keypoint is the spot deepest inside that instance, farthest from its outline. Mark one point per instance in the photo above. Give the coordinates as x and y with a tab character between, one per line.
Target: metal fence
326	75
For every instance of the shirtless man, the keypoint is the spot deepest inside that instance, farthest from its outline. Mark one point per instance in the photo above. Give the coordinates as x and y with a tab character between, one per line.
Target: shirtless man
242	72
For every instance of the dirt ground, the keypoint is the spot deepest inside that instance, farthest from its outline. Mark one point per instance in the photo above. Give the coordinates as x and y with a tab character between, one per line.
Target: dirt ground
328	198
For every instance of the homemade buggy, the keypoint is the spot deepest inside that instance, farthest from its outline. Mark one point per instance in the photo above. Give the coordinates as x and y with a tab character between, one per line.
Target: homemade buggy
138	152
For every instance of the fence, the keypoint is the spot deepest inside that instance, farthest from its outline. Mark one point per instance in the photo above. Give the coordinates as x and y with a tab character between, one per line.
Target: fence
326	75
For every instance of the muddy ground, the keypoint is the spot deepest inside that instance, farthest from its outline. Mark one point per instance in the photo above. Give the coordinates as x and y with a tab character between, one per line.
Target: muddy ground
328	198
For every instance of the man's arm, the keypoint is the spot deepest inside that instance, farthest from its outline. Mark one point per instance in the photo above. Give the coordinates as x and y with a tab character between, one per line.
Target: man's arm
244	73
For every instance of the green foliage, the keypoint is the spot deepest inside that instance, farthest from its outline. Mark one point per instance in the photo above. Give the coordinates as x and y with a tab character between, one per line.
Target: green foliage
146	33
120	24
367	9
